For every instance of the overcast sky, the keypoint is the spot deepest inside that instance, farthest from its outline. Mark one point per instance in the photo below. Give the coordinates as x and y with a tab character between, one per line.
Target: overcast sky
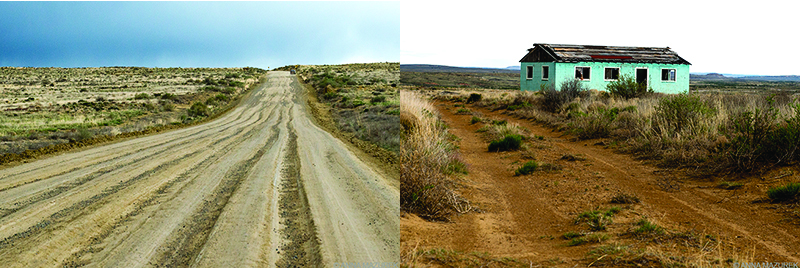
197	34
737	37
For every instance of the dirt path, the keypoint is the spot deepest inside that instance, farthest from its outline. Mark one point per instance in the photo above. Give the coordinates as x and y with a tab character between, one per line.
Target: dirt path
212	195
525	216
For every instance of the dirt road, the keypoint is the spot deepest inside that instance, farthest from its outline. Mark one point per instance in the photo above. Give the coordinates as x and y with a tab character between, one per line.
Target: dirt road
259	186
526	217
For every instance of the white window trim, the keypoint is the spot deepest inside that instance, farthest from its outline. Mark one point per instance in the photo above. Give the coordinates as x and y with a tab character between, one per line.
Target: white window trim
670	81
618	73
590	72
548	72
529	75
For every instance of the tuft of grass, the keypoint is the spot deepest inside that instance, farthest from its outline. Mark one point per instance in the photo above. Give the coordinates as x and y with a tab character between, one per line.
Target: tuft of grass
647	228
141	96
570	235
593	238
527	168
474	97
623	198
510	142
787	192
463	111
475	119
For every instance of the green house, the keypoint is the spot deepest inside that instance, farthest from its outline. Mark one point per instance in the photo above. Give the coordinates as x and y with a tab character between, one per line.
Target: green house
596	66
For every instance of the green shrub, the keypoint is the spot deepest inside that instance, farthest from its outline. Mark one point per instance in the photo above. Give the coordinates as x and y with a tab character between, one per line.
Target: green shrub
463	111
377	99
330	95
508	143
474	97
475	119
571	235
141	96
784	193
168	96
647	228
626	87
198	109
553	100
527	168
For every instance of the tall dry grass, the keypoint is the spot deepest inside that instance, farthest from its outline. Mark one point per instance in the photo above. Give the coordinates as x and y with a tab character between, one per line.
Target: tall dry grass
428	157
717	131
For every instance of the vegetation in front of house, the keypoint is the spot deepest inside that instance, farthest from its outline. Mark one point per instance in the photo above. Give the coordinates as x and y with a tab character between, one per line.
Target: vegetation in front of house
44	109
712	132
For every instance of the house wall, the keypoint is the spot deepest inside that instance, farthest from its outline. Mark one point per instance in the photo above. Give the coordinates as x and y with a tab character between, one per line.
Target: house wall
563	71
536	82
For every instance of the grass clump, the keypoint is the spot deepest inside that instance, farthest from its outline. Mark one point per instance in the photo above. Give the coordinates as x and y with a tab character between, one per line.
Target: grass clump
474	97
627	88
623	198
597	220
593	238
510	142
527	168
790	191
647	228
427	157
463	111
141	96
553	100
198	109
475	119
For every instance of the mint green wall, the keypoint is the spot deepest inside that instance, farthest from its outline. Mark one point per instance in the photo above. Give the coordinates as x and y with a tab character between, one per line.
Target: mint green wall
562	71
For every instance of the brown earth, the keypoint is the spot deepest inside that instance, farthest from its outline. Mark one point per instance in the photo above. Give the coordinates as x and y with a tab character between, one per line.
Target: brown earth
210	195
525	217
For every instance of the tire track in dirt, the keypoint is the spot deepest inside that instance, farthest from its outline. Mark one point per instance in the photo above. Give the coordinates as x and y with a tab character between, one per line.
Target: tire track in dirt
106	171
301	245
741	223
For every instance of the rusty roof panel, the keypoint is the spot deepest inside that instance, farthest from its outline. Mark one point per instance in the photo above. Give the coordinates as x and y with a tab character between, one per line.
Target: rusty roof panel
578	53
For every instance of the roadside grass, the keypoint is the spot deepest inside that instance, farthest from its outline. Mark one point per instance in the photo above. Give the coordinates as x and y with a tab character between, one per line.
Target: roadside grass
106	101
597	220
428	158
363	99
790	191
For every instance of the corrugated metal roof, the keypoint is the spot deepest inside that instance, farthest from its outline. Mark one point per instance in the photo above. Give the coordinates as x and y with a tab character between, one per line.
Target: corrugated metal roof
582	53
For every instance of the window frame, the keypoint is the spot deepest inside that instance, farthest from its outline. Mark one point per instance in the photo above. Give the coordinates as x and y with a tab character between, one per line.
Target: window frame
545	74
610	79
582	74
674	77
529	72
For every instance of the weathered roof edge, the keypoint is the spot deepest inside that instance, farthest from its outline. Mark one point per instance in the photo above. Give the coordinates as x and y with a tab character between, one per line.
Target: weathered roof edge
549	50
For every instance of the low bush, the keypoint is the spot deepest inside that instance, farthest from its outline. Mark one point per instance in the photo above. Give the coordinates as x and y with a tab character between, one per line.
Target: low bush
475	119
508	143
627	87
553	100
474	97
682	112
787	192
623	198
141	96
197	109
647	228
527	168
377	99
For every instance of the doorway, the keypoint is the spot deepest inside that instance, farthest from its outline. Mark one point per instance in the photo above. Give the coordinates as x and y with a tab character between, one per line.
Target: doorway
641	75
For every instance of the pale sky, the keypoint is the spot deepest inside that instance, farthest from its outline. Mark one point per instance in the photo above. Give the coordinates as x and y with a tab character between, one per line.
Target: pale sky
197	34
736	37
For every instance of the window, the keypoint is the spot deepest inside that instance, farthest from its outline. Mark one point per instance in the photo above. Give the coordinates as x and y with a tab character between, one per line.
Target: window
668	75
612	73
545	72
530	72
583	73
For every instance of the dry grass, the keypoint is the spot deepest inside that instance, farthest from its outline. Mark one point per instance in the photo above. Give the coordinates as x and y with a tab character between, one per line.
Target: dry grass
427	156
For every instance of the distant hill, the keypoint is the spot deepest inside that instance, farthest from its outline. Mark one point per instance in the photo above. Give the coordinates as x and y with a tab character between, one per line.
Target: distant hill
452	69
722	77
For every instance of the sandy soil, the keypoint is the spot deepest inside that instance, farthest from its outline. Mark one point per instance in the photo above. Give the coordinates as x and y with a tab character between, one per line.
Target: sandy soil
212	195
525	217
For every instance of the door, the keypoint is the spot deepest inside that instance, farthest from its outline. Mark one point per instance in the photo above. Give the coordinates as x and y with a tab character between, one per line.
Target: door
641	75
